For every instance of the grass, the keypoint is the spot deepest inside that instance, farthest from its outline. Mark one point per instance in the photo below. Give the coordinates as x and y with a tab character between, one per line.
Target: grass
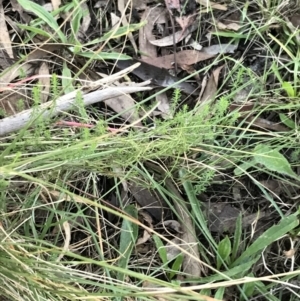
70	226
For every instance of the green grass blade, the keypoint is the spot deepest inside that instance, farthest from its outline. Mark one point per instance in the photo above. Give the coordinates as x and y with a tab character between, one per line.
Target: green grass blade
272	234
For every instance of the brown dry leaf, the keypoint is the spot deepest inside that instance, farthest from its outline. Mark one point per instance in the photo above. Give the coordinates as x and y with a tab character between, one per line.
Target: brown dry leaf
210	89
14	101
145	32
191	262
17	7
27	67
229	26
173	224
143	239
114	20
184	57
222	217
173	4
172	250
44	81
163	105
56	4
213	5
295	20
266	124
168	40
185	21
124	105
86	20
272	185
219	49
148	200
190	70
139	4
4	36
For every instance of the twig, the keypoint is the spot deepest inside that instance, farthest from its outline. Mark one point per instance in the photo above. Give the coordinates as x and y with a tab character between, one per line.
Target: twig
63	104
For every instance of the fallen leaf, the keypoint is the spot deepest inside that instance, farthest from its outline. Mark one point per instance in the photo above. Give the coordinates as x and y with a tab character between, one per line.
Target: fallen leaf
148	200
172	250
125	23
195	44
219	49
44	82
4	36
229	26
143	239
86	20
114	20
168	40
189	242
158	76
173	224
163	105
27	68
185	21
222	217
17	7
173	4
295	20
145	33
124	105
184	57
56	4
213	5
210	89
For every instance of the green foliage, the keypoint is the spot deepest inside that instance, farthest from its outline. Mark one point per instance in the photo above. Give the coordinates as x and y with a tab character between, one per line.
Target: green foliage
272	234
129	234
271	159
224	250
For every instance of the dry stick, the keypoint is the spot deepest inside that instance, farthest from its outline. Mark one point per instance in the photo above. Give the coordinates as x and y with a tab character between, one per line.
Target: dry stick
63	104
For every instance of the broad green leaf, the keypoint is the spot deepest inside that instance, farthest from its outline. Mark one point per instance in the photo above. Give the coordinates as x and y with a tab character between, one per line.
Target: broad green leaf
287	121
273	160
176	266
240	170
235	272
272	234
290	91
161	249
129	234
224	250
35	30
220	293
248	288
44	15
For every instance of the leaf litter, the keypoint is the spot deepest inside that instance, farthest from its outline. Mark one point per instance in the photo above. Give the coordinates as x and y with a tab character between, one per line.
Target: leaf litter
154	50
